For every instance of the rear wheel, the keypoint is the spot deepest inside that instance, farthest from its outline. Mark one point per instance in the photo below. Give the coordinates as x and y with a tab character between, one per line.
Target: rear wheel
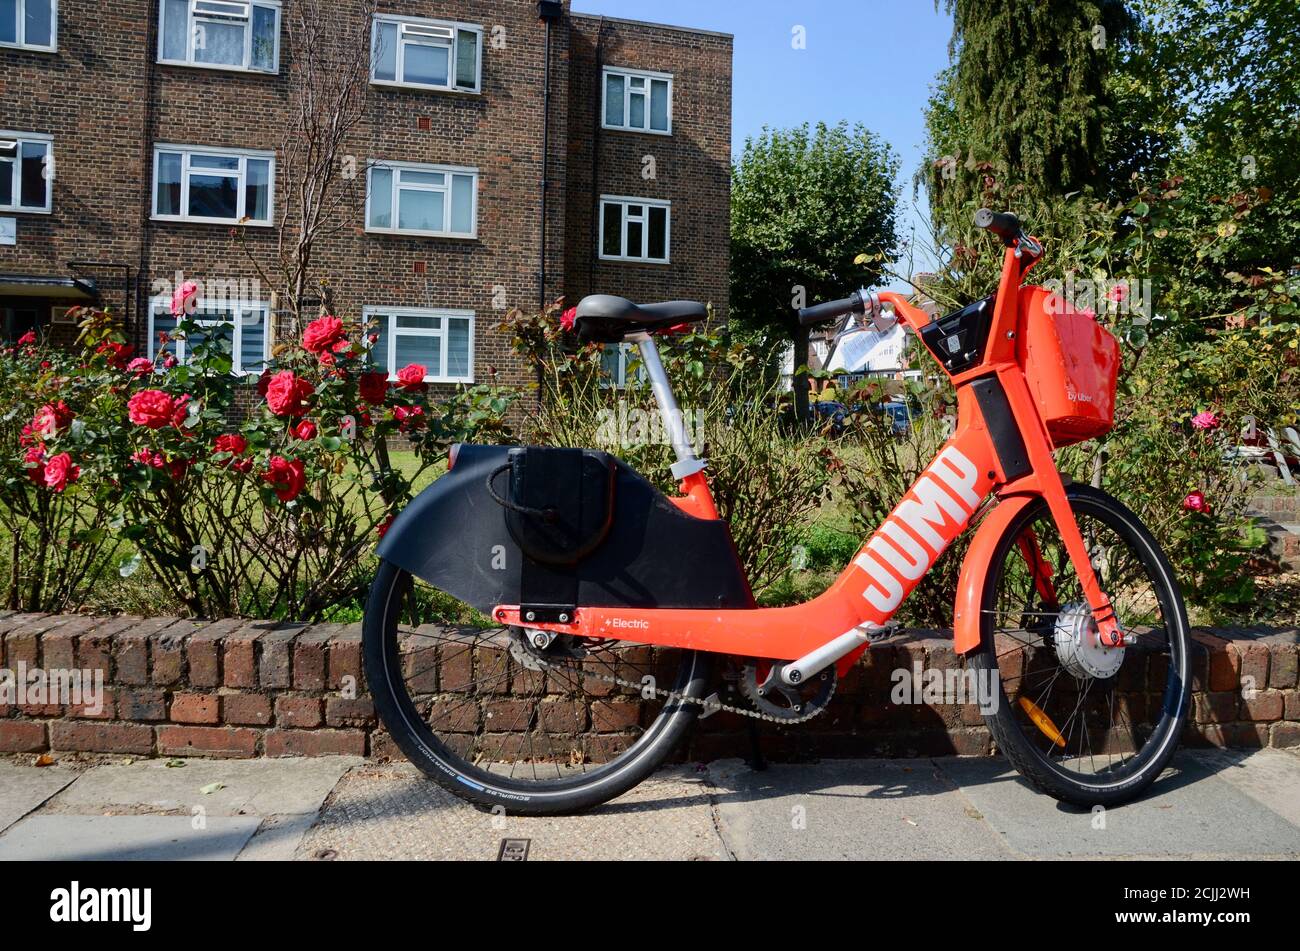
1087	724
500	720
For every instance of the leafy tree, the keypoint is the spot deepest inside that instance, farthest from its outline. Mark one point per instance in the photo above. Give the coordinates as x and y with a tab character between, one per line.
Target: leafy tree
806	205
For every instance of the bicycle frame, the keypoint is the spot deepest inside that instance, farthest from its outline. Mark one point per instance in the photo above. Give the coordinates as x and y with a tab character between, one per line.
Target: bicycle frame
1000	448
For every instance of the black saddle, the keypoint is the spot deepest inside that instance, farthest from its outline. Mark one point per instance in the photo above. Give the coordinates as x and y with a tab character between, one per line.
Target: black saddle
604	318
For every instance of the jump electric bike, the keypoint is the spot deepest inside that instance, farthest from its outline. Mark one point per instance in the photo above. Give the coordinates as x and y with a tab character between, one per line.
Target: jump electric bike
611	606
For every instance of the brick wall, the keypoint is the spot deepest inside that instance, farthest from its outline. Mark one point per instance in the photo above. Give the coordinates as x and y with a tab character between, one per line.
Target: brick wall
255	688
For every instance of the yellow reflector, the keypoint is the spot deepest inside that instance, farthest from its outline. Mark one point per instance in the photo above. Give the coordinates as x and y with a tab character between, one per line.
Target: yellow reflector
1042	721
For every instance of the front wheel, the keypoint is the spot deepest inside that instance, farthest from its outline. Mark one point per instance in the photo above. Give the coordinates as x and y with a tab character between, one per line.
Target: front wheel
502	720
1087	724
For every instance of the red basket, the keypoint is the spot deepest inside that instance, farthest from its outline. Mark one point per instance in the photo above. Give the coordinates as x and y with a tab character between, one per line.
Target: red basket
1072	365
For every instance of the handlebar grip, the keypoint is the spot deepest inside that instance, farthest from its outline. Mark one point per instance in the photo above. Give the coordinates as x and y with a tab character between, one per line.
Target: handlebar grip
820	313
1002	223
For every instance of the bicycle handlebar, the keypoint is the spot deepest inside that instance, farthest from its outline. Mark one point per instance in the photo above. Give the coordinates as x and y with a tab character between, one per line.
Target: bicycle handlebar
1007	226
820	313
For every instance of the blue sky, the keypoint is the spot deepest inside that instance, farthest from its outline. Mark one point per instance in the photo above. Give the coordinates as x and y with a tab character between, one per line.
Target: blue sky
866	61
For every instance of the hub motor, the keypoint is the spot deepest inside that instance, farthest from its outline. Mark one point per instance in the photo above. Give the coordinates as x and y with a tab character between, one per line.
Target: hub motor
1079	646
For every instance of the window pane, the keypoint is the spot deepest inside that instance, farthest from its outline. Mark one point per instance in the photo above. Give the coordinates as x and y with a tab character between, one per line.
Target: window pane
422	350
635	237
252	343
462	204
636	111
213	196
614	100
457	347
410	177
414	322
265	31
659	105
176	14
426	65
34	183
163	321
381	198
658	233
39	30
420	211
227	163
466	59
220	43
6	182
169	183
613	229
611	363
8	21
257	190
385	52
378	327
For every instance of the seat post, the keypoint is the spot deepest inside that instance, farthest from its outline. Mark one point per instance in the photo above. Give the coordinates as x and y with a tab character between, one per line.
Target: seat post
688	463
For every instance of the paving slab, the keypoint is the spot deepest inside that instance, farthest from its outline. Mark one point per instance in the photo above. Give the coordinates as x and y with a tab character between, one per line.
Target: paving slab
394	812
23	788
1190	812
848	809
125	838
1270	777
259	787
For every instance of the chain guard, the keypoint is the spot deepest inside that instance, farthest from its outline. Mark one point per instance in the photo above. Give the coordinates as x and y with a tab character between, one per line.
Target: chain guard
777	700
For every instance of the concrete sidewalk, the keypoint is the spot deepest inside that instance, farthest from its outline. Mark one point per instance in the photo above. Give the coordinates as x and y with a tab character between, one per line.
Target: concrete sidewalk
1216	804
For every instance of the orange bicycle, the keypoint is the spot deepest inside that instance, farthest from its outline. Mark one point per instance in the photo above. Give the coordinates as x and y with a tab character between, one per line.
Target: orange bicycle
609	602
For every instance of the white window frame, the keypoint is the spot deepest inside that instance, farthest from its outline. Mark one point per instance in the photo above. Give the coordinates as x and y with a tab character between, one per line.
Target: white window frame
447	170
626	200
22	43
237	337
372	315
418	23
186	151
59	315
626	357
20	138
628	74
191	32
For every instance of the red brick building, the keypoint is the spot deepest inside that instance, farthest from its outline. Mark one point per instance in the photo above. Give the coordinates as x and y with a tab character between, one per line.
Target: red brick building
135	133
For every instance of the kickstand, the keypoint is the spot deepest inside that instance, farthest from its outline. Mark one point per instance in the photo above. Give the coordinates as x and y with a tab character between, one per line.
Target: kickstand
757	762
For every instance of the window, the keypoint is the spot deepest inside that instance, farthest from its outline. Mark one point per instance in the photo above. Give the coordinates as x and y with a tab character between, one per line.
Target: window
442	341
29	24
216	186
240	326
639	101
616	359
220	34
634	229
436	200
426	54
26	171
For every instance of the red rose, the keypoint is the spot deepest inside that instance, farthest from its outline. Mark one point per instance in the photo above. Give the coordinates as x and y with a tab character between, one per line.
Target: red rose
322	334
327	359
374	387
35	459
304	430
287	477
233	443
59	471
180	410
412	376
169	361
176	468
50	419
117	354
1195	502
408	417
242	465
263	382
287	394
147	457
568	318
28	339
185	300
382	528
140	366
151	408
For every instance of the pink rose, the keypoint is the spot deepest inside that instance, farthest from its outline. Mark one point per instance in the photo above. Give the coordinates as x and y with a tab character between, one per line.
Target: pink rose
1205	420
60	471
185	299
1195	502
147	457
408	417
568	318
28	339
287	477
412	376
50	419
34	459
151	408
322	334
140	366
1118	293
287	394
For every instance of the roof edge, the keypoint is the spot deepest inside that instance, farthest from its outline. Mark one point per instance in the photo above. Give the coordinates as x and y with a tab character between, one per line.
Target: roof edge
656	26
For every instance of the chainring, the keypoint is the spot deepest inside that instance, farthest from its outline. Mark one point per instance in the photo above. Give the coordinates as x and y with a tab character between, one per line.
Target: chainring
761	684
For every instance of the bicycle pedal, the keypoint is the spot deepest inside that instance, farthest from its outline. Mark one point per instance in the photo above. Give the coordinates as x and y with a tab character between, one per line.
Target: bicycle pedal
883	632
